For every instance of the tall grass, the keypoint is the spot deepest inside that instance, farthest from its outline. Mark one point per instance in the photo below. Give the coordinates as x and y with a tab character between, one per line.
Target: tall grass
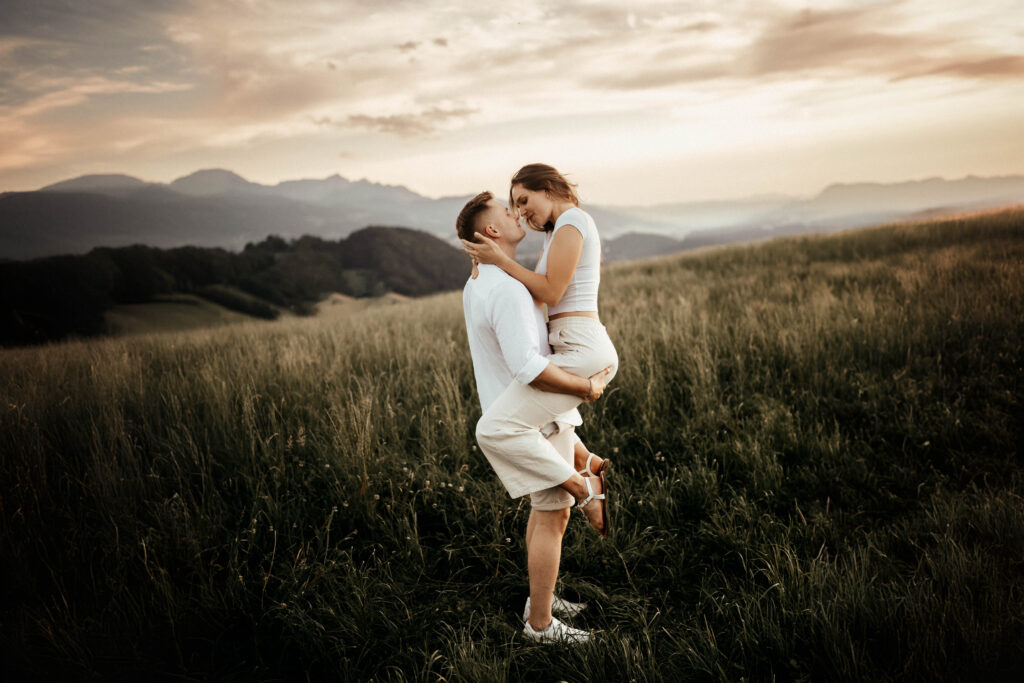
817	476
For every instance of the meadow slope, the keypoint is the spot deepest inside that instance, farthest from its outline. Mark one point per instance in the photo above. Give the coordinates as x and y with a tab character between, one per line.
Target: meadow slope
817	476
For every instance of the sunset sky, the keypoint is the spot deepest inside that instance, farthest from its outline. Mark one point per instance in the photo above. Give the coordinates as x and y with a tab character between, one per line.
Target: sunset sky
639	102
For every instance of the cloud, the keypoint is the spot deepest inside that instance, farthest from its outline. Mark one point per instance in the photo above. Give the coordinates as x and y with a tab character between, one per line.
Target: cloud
699	27
998	67
663	76
97	35
403	125
413	45
849	42
602	18
835	40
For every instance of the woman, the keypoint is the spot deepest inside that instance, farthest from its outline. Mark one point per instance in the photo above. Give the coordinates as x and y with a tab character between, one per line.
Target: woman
566	279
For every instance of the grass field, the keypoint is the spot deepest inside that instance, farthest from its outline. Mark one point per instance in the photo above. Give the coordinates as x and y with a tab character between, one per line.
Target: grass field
179	312
170	313
817	476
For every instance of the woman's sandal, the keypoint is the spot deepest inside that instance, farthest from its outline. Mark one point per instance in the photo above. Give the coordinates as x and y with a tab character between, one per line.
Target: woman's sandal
597	496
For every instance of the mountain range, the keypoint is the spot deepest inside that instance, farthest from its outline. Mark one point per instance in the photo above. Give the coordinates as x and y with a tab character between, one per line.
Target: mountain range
219	208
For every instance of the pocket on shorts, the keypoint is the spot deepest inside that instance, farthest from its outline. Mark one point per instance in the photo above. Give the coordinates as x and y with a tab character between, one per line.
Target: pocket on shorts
564	339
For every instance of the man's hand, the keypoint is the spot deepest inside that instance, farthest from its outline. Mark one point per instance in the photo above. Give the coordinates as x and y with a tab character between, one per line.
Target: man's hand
598	381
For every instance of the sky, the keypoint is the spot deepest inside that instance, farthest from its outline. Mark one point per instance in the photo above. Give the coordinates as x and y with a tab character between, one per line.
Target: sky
638	102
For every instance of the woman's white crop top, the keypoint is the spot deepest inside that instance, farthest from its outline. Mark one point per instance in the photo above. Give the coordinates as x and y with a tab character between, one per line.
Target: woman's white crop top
581	295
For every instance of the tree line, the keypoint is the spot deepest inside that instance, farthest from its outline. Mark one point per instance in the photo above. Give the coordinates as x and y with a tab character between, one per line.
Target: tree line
56	297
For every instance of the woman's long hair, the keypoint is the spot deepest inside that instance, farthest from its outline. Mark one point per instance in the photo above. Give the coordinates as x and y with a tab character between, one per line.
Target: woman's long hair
541	178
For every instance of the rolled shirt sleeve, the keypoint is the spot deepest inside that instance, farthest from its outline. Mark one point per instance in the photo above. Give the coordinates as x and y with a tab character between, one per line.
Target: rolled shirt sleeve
514	322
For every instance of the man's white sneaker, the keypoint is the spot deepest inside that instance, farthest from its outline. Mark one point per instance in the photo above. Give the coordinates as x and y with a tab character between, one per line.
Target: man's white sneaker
558	606
557	632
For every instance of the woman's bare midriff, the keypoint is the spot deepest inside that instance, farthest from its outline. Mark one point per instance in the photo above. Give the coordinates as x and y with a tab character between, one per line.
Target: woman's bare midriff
578	314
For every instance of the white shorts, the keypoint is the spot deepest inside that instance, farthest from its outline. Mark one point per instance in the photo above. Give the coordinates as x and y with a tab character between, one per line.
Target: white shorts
509	434
581	346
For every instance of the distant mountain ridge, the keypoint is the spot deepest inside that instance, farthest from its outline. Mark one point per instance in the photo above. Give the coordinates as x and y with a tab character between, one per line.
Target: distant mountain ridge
115	184
212	182
217	181
219	208
843	202
838	207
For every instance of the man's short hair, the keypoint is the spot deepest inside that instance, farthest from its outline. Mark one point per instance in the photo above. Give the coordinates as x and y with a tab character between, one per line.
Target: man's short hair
465	224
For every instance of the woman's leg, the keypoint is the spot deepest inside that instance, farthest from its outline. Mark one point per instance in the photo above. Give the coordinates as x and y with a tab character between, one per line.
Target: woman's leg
582	346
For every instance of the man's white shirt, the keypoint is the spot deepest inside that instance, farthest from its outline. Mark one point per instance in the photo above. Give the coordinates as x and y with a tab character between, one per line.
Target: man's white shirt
508	337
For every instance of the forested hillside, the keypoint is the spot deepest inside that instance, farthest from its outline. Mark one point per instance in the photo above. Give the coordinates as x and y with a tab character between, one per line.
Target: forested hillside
54	297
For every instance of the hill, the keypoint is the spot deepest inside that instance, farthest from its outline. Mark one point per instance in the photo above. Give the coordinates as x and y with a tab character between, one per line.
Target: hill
170	313
53	297
113	184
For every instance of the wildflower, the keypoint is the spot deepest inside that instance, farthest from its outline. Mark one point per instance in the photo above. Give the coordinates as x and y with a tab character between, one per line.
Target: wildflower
376	496
461	489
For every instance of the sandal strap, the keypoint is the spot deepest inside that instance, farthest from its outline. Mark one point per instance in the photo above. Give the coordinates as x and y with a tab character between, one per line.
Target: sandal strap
586	471
592	496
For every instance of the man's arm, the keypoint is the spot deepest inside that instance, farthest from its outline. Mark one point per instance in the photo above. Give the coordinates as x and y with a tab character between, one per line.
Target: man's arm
510	313
559	381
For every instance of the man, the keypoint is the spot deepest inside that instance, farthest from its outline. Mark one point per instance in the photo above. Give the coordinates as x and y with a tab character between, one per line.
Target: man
527	428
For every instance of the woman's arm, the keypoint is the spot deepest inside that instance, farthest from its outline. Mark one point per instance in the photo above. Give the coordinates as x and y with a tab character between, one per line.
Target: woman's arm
563	256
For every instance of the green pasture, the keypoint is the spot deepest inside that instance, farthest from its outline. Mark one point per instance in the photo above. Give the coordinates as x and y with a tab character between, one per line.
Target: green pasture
817	476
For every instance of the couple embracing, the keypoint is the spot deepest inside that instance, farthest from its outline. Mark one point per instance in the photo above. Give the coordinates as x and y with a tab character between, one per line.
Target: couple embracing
531	374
